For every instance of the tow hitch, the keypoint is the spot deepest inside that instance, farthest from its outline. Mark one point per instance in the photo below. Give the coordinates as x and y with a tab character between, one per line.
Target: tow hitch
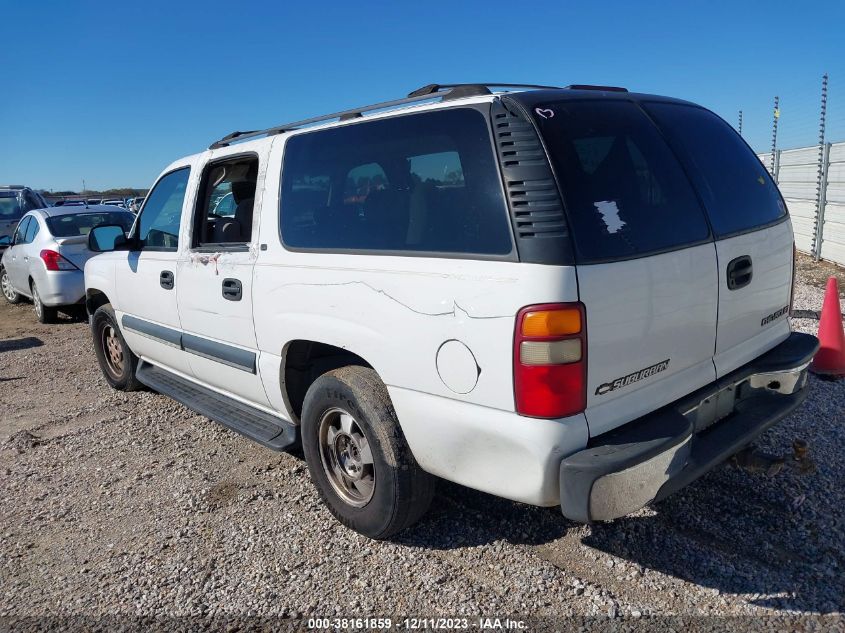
755	461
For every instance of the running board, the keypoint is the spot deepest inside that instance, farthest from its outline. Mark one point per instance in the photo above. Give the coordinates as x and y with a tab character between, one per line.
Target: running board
257	425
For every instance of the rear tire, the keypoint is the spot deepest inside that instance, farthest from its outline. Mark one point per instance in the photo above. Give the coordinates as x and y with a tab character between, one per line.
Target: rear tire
357	455
9	291
44	314
117	362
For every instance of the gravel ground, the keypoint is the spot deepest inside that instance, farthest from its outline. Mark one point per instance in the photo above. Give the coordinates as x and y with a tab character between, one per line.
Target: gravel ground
130	504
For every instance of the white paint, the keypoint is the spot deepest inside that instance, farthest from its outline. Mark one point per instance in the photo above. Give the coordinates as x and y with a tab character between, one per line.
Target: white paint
495	451
641	312
396	313
610	215
457	367
742	337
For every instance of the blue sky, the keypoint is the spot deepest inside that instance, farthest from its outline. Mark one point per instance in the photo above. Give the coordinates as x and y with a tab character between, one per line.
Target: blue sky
112	91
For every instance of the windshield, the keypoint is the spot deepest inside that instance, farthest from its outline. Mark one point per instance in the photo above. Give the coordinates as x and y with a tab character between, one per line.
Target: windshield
10	206
625	193
82	223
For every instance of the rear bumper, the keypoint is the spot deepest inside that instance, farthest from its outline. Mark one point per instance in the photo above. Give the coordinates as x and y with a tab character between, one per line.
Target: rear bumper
60	288
660	453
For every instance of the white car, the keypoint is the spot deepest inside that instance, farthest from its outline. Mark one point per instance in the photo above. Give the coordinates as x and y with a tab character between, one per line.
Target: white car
46	255
572	297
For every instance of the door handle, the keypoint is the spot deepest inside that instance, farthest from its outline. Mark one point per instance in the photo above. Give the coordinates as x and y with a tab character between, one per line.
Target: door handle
166	279
740	272
232	289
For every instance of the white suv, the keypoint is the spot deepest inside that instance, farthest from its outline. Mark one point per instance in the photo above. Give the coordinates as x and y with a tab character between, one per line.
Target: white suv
572	296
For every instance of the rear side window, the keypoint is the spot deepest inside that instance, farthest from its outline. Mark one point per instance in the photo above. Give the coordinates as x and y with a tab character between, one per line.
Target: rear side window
20	231
418	183
31	231
624	191
737	190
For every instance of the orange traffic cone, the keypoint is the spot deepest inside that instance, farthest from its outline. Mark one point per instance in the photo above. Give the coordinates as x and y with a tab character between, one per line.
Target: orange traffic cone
830	359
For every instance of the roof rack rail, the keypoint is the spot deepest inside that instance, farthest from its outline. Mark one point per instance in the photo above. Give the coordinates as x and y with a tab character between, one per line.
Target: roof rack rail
600	88
426	93
483	88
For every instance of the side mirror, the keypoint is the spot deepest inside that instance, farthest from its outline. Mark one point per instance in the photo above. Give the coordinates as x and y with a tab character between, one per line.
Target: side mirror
106	238
5	241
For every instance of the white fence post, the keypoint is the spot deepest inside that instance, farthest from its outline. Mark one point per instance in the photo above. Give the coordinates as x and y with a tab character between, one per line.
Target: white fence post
822	203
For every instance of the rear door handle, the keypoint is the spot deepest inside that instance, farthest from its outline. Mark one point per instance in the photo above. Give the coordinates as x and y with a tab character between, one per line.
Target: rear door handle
166	279
232	289
740	272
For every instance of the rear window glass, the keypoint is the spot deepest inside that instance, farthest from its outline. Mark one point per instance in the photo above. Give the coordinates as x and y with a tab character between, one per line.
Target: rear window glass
737	190
624	191
82	223
425	183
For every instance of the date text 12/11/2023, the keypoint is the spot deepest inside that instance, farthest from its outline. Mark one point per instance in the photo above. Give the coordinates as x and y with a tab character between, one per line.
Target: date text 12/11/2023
460	623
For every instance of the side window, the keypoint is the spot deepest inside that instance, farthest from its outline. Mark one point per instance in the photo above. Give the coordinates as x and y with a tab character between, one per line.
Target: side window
441	169
31	230
20	231
417	183
225	206
31	201
158	226
361	180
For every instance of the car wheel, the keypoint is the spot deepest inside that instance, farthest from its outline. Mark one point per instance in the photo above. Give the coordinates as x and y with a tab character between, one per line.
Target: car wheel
45	314
358	457
117	362
6	286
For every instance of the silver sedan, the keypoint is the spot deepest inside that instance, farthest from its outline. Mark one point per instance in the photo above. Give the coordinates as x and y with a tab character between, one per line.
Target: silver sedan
47	255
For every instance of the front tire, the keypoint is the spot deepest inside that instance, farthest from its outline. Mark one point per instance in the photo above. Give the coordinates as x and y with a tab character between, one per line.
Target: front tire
44	314
117	362
357	455
8	289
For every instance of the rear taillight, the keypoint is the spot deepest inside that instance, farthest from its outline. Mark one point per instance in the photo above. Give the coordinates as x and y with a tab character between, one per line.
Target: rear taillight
53	261
550	360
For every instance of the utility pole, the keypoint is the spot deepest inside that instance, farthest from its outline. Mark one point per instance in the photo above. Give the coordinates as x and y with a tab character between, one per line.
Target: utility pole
821	178
740	123
83	185
775	137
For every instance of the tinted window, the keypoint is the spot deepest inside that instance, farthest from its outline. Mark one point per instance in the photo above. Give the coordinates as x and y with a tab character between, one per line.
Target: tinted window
31	201
737	190
82	223
20	231
158	226
10	206
624	191
425	182
31	230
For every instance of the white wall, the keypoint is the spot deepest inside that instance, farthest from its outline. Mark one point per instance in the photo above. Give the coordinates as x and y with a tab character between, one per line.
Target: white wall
796	172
